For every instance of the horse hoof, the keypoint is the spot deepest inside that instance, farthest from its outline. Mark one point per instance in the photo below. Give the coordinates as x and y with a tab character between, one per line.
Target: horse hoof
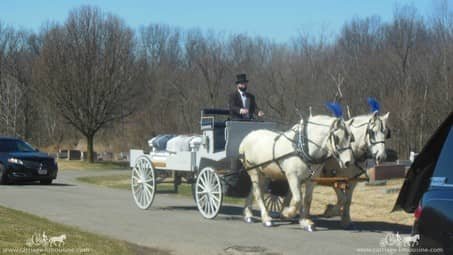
268	224
248	220
309	228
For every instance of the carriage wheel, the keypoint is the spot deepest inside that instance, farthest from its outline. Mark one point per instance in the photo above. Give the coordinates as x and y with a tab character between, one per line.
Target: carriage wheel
208	193
143	183
274	204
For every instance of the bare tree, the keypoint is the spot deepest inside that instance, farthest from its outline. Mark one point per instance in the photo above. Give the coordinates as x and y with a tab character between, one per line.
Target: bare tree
207	56
11	89
87	69
91	66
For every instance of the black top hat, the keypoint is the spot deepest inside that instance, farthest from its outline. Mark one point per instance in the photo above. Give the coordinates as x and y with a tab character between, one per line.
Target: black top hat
241	78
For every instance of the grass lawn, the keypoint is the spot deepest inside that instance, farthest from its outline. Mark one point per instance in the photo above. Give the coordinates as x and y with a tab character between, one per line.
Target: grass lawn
17	227
98	165
121	181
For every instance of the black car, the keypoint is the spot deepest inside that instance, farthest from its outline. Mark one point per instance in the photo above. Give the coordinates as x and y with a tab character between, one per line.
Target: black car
19	161
428	193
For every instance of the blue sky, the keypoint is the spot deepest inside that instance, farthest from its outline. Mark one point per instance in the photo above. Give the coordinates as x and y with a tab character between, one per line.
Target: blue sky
275	20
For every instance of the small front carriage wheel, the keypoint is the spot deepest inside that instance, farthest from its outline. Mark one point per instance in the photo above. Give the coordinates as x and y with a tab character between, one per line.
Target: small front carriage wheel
143	182
274	204
208	193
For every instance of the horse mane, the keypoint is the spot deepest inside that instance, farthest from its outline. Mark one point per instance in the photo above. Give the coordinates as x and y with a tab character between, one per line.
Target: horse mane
316	117
361	120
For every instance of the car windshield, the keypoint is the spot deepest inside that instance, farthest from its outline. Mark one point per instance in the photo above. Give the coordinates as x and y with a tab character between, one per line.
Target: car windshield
15	146
445	162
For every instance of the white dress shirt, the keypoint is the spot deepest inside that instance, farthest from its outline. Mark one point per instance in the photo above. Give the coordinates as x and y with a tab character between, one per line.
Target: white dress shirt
244	99
244	103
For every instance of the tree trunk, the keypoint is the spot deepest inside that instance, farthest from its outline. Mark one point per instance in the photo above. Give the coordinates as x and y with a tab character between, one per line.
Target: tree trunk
90	142
26	131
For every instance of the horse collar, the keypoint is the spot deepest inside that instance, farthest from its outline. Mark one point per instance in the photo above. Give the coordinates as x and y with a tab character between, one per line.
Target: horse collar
303	143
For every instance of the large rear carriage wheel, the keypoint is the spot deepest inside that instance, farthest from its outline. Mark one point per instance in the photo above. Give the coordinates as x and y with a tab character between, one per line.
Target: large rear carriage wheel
143	183
208	193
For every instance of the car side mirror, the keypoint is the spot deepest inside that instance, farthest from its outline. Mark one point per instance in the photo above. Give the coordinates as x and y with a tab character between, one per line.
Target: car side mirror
36	149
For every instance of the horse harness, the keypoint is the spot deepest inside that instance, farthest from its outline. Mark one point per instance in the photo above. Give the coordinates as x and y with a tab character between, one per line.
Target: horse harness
301	149
365	156
369	133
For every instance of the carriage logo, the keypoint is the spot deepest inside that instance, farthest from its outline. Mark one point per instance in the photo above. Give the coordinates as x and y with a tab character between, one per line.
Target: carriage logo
42	240
396	240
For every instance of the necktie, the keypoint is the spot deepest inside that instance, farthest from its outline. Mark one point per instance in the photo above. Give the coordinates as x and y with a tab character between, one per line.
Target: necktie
244	100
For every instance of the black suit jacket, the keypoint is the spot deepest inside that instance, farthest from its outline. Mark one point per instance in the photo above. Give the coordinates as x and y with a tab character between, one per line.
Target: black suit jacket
235	105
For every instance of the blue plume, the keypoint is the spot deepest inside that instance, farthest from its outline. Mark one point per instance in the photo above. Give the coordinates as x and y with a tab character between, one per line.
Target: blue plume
374	104
335	108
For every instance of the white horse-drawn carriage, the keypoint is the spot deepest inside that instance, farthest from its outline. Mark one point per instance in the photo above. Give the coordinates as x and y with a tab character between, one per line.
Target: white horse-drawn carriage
288	159
203	160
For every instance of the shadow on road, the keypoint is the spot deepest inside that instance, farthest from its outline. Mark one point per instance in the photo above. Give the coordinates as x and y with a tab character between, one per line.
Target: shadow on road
227	210
362	226
166	192
231	212
178	208
39	184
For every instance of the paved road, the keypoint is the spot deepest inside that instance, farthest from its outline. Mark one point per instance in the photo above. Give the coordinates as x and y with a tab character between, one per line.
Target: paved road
173	223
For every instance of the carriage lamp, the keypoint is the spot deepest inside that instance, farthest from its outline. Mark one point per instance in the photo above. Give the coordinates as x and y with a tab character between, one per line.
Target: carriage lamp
15	161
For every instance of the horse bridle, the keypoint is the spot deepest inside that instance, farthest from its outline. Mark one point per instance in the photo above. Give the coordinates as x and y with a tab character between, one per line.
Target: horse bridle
336	150
370	134
370	137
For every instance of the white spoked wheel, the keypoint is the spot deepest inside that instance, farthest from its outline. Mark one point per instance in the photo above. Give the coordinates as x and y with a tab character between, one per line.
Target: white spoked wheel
274	204
143	182
208	193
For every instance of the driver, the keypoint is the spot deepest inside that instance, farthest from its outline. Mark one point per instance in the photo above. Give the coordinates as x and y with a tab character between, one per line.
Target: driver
242	103
242	107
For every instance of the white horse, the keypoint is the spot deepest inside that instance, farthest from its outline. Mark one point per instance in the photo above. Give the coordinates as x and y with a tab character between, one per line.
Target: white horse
370	132
411	241
57	241
289	155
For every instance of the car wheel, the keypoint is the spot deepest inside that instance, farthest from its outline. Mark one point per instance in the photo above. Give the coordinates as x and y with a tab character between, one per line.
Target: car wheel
3	176
46	182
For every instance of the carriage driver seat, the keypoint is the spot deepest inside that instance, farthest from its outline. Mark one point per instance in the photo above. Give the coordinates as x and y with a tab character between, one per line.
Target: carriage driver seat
210	120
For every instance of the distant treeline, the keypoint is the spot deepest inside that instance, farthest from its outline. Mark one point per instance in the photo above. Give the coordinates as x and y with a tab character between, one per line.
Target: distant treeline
95	77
